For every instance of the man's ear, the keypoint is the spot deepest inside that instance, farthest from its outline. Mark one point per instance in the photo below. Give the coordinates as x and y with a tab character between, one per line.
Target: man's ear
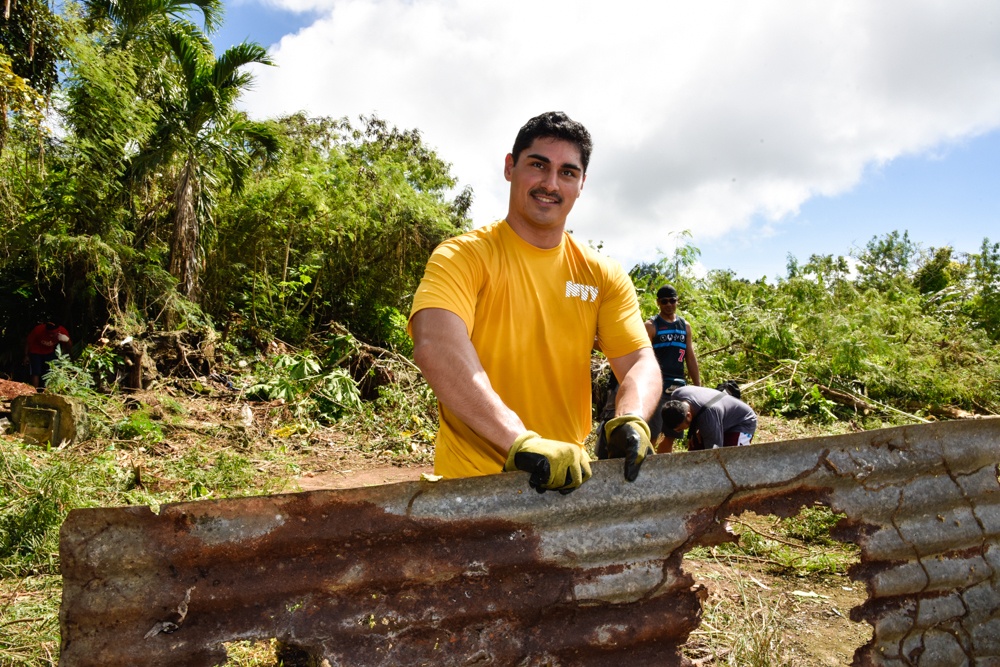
508	166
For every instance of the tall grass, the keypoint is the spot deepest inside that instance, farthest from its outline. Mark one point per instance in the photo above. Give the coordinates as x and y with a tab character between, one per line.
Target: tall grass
746	630
39	486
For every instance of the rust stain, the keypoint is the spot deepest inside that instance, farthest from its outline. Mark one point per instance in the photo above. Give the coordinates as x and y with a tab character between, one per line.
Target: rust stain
477	572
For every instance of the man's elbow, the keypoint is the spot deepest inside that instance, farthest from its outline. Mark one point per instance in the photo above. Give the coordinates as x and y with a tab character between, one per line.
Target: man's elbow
647	364
422	353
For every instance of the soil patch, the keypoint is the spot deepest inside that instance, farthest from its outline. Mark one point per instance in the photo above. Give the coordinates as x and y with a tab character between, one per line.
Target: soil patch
348	478
9	389
800	621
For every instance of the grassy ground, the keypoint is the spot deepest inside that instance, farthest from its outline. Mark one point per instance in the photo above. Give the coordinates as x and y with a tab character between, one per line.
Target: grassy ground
779	598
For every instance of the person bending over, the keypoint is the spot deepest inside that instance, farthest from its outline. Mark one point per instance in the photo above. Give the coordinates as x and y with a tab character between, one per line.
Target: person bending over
40	349
712	418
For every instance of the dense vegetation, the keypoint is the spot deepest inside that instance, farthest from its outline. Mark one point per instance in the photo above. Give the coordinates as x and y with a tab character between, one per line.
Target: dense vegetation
158	205
892	331
149	200
136	199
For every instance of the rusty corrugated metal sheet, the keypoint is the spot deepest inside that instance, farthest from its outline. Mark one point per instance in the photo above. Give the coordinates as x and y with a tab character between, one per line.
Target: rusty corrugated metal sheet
488	572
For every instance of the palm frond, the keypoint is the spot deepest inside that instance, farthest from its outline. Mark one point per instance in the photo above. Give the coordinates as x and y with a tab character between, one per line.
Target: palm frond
225	73
188	54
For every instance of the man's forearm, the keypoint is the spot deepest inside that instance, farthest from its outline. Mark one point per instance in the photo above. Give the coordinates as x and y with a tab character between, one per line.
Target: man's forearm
693	371
641	385
451	366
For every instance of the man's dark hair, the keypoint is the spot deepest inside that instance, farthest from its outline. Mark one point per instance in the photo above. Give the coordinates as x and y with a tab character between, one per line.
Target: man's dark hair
666	292
673	413
554	125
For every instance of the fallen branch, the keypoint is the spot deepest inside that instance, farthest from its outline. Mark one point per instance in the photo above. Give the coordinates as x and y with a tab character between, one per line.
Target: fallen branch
844	398
719	349
769	535
869	404
945	411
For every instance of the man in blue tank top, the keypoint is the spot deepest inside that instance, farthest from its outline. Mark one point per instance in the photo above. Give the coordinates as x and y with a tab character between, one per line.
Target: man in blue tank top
672	344
674	350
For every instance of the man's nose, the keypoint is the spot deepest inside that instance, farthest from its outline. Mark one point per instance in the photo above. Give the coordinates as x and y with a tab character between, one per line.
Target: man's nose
551	180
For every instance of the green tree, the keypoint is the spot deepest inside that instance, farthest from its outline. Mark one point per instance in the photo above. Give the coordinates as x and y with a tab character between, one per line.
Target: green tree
340	229
150	22
935	274
30	50
206	140
676	269
886	262
985	302
82	226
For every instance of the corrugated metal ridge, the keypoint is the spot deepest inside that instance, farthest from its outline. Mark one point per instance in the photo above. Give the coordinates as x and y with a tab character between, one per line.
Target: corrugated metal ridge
487	572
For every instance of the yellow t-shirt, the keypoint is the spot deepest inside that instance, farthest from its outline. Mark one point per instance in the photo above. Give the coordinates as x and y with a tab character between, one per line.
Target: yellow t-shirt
532	315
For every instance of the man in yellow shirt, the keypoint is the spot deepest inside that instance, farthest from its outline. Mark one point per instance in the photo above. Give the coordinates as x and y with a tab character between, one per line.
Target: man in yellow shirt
504	321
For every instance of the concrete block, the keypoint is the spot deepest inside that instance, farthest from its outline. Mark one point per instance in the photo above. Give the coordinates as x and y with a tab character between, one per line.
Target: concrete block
67	423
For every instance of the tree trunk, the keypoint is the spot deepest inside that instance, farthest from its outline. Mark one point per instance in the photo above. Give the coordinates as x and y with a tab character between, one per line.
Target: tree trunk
184	246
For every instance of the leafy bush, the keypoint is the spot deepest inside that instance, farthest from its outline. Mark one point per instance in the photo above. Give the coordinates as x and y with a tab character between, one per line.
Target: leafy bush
67	378
874	336
299	381
139	426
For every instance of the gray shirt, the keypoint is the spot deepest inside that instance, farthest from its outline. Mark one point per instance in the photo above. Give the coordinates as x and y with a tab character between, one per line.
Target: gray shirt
726	415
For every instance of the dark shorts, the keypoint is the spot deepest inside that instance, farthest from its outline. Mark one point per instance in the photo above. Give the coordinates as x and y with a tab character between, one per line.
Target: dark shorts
729	439
39	363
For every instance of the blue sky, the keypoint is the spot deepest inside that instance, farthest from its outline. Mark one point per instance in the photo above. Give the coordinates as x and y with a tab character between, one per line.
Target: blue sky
949	197
255	22
765	129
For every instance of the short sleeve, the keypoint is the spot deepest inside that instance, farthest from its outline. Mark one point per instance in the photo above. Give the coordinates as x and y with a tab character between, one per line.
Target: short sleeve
451	281
710	427
620	328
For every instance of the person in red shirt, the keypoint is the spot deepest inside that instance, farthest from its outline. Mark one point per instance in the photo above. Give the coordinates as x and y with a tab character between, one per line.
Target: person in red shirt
40	349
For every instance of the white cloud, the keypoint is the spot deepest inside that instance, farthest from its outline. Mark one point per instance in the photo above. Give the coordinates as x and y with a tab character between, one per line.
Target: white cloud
705	116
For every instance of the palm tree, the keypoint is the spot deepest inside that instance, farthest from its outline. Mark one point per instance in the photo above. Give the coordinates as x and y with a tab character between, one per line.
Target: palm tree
146	20
210	143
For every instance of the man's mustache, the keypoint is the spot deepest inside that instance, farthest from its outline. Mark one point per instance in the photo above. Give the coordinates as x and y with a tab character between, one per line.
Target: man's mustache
545	193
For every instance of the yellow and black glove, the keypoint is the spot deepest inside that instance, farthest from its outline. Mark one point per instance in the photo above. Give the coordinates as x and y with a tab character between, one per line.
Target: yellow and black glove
626	436
553	464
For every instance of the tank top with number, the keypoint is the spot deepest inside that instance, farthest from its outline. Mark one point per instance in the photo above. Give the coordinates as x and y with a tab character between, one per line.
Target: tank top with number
670	346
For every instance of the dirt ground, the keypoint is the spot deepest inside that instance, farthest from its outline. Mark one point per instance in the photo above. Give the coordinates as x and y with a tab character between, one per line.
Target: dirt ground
9	389
350	478
799	622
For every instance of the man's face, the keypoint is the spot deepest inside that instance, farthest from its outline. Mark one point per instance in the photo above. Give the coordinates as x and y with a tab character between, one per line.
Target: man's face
668	306
544	184
683	426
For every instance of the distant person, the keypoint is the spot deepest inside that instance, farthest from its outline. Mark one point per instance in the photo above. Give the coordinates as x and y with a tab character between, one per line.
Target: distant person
711	417
40	349
673	346
504	320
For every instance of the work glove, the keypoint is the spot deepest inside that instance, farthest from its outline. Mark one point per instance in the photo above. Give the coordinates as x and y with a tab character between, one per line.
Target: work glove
553	464
626	436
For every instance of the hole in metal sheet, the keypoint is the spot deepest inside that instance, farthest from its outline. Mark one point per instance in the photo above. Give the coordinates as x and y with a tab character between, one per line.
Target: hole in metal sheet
251	653
780	594
269	653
